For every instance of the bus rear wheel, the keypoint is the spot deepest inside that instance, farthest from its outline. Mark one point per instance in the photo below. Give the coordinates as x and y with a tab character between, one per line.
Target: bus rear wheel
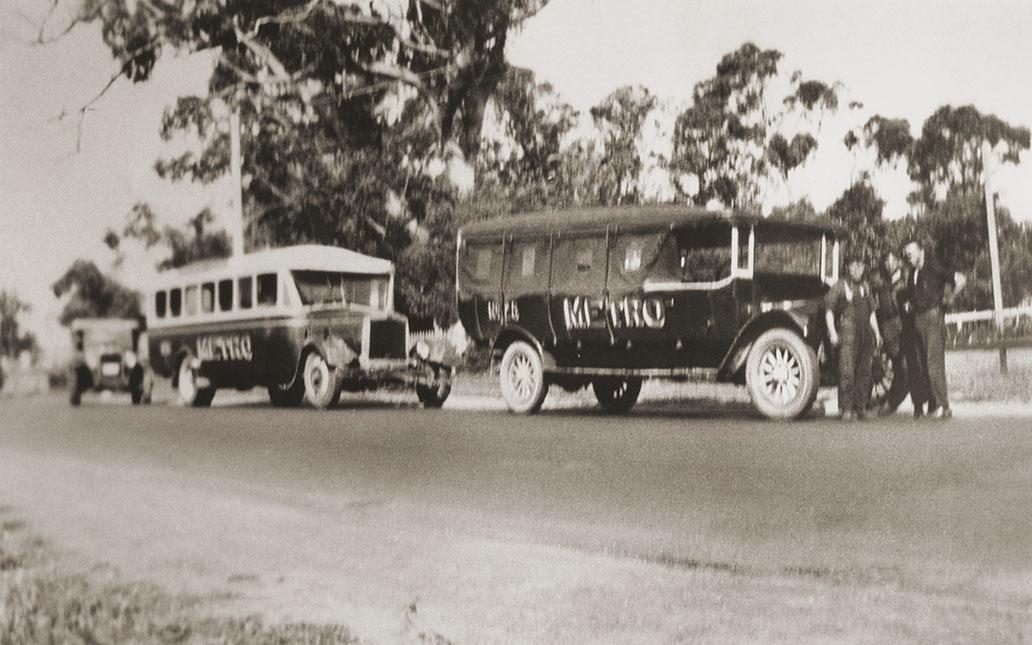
616	395
522	378
322	386
287	397
781	374
190	393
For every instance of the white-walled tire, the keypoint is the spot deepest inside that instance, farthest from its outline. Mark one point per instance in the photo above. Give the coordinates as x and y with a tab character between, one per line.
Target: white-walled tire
190	392
782	375
322	387
522	378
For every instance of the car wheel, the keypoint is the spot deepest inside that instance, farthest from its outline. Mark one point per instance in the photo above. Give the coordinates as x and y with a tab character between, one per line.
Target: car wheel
190	393
322	387
434	393
889	383
617	395
782	375
522	378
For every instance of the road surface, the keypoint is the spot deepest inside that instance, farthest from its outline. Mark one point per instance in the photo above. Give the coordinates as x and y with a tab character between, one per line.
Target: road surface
675	522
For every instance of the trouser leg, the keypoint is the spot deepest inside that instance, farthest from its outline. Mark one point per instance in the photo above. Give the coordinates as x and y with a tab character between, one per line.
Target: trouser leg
917	370
862	369
933	335
847	375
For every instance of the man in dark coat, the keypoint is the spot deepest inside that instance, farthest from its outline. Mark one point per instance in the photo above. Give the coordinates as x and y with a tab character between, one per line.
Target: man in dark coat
850	315
929	286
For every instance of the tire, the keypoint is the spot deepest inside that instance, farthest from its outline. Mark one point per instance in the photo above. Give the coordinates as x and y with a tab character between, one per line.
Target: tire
436	393
889	384
189	393
321	384
615	395
782	375
522	378
289	397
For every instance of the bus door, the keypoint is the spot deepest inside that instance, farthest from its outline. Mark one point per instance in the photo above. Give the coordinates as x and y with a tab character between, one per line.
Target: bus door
642	289
525	285
481	268
577	300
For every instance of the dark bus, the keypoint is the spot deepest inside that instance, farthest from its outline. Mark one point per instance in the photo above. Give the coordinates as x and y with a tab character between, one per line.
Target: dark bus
306	322
609	296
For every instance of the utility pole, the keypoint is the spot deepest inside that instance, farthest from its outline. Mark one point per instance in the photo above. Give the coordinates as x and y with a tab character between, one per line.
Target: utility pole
236	227
994	251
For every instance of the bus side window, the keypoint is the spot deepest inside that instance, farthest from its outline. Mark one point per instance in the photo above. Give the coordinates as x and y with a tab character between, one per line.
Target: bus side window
225	295
267	283
160	304
208	297
191	300
246	288
175	302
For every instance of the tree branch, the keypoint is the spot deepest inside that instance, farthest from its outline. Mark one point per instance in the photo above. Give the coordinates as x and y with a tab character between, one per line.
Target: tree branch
89	105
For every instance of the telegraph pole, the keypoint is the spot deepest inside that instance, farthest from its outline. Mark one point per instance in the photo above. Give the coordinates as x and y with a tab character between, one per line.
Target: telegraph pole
236	227
994	252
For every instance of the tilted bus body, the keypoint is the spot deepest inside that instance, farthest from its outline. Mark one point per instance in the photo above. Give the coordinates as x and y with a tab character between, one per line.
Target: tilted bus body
306	322
609	296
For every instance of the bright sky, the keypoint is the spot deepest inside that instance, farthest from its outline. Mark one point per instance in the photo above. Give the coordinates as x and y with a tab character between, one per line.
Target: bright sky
901	58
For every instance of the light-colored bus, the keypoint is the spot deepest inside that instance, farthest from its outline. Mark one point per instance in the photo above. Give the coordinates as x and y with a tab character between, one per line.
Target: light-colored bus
305	322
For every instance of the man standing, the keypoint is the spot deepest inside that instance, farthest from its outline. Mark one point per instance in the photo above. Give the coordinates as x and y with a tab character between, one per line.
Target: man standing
853	329
898	333
929	286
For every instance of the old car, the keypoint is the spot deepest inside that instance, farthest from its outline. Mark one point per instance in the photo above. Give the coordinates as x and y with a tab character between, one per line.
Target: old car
305	322
606	297
107	358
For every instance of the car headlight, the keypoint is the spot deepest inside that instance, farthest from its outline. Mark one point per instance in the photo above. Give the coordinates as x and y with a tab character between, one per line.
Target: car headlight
422	350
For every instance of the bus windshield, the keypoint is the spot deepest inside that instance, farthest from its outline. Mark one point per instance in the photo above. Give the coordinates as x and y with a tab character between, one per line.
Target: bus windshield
333	288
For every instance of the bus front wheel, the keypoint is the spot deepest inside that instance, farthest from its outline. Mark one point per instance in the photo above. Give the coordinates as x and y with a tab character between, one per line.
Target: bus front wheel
616	395
322	386
781	374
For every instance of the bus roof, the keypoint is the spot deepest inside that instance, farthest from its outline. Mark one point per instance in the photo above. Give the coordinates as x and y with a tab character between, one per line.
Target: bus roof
302	257
630	218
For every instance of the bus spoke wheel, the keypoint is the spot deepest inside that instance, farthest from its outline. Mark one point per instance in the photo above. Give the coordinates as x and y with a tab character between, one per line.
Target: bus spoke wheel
522	378
781	374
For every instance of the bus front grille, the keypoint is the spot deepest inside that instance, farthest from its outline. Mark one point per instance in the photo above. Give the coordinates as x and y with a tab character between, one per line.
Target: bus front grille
387	339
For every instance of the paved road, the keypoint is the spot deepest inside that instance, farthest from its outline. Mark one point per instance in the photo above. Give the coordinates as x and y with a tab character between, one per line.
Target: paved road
568	503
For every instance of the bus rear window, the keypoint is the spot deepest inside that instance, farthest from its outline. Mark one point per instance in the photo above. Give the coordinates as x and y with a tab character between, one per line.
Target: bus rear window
225	295
175	301
267	284
160	304
246	288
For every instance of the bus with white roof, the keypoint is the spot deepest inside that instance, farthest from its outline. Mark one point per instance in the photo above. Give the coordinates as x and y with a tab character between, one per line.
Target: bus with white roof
305	322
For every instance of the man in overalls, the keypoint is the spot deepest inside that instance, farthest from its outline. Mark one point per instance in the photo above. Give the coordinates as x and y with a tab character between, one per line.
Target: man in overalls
853	328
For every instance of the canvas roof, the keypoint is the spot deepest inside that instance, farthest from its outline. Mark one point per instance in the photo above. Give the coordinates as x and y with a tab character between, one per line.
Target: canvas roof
630	218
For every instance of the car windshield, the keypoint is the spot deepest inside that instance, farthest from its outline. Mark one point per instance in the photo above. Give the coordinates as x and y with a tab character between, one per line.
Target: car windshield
333	288
788	251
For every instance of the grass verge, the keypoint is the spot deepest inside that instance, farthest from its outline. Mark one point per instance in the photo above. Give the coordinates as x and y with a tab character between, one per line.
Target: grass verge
40	604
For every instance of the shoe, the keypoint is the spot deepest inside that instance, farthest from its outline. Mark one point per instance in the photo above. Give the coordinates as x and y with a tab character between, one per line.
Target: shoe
869	414
848	415
918	411
941	413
